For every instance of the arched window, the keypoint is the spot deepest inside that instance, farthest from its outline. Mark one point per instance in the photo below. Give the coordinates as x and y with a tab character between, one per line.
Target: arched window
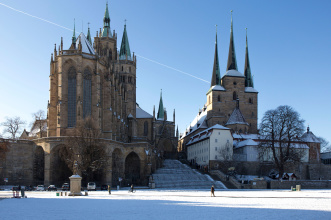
110	54
72	82
145	128
234	95
218	98
250	101
122	69
87	93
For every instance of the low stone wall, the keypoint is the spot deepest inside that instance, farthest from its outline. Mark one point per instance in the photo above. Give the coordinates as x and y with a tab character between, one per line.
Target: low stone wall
305	184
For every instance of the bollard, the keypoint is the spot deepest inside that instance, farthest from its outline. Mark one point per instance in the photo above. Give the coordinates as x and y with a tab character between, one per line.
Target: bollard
65	193
298	187
61	193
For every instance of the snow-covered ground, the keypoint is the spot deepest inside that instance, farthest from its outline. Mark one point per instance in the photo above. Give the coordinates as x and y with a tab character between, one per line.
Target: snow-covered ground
171	204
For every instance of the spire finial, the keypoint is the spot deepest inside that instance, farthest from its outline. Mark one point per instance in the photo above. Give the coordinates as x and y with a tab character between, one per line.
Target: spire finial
125	22
232	61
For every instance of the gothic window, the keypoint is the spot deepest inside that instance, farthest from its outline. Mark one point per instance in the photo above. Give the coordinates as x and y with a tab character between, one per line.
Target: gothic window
122	69
72	97
129	79
218	98
234	95
87	93
110	54
250	101
145	128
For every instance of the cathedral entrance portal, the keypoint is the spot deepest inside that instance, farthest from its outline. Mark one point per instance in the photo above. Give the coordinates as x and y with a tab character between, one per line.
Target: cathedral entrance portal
132	169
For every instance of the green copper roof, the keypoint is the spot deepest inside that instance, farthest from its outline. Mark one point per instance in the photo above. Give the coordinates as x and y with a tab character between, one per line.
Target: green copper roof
74	34
160	113
89	36
248	74
232	61
125	47
106	32
216	76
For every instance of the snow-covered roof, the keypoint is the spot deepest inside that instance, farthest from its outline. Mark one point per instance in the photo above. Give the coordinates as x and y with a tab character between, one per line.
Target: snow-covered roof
250	89
234	73
247	142
216	88
86	45
198	122
246	136
206	133
236	118
141	113
310	137
36	127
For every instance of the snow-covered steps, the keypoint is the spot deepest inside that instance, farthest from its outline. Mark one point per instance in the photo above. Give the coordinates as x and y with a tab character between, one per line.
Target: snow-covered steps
174	174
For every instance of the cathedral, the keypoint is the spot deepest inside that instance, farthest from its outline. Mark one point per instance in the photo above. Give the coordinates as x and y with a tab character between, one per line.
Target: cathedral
93	80
231	99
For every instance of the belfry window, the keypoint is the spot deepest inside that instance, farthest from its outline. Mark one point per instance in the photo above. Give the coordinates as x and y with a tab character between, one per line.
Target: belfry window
250	101
87	93
218	98
110	54
72	82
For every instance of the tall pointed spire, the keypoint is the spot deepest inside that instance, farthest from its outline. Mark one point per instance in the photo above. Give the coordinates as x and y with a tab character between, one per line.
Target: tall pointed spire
106	24
216	76
160	113
125	52
89	34
247	71
232	61
74	34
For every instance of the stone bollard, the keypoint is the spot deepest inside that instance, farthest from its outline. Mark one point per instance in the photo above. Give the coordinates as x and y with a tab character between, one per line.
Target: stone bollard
65	193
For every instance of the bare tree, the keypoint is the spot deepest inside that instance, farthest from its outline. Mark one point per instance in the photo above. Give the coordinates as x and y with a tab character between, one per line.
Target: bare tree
13	126
39	118
85	147
279	129
325	145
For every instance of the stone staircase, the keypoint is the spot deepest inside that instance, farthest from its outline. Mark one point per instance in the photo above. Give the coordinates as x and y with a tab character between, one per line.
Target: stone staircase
174	174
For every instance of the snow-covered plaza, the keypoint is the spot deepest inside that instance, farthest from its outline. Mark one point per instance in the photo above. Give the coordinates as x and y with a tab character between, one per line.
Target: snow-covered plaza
171	204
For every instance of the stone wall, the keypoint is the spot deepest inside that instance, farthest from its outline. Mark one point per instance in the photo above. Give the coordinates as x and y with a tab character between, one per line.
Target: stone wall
305	184
18	166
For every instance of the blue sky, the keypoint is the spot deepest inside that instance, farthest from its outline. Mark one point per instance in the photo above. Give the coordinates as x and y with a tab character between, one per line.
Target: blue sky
289	46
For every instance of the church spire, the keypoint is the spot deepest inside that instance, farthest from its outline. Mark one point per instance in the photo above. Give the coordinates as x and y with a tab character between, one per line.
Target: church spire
232	61
89	34
106	24
216	76
247	71
74	34
160	113
125	52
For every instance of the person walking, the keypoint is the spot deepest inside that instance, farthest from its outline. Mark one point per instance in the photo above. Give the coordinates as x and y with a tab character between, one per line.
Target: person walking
132	188
212	190
109	189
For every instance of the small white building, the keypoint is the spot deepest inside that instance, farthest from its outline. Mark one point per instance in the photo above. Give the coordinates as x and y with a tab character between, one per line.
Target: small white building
214	143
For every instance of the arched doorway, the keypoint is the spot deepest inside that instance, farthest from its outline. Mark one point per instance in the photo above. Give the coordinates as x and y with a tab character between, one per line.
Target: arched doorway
38	166
132	168
117	166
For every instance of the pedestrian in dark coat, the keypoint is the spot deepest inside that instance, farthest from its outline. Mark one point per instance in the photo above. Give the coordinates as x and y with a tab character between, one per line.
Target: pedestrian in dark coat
132	188
109	189
212	190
